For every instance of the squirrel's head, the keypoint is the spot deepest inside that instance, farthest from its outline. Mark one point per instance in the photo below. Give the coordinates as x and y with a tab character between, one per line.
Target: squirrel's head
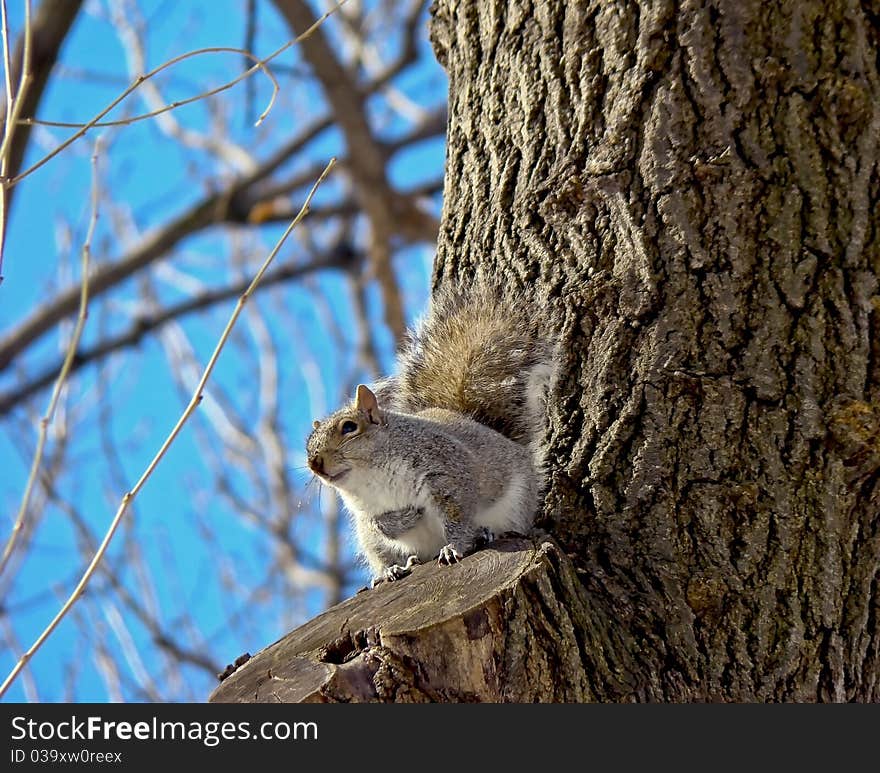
346	439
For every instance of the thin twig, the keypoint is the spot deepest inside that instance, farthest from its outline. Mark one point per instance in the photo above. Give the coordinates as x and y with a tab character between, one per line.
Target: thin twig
193	404
97	122
7	64
15	97
72	347
7	129
29	686
14	103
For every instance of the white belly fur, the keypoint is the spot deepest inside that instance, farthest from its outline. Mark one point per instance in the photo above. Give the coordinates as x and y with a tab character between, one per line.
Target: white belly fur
506	513
425	539
395	492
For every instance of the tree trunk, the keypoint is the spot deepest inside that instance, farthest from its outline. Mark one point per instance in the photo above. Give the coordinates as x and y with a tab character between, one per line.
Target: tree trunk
695	187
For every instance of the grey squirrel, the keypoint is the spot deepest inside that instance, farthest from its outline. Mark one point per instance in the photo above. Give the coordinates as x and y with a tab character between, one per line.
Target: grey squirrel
449	450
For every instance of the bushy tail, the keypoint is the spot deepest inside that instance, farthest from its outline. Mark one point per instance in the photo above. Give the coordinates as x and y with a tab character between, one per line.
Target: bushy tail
488	355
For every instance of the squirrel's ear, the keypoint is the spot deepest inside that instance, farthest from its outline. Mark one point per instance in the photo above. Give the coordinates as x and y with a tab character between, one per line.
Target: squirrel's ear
367	403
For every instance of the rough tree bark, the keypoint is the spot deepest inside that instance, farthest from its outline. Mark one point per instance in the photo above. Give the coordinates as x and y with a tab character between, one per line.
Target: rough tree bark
695	187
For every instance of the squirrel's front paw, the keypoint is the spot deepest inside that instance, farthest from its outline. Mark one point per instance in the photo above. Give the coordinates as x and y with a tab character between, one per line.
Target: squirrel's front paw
448	555
396	572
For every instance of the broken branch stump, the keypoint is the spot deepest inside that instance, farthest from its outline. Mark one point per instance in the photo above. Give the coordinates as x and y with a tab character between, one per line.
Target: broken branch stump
503	625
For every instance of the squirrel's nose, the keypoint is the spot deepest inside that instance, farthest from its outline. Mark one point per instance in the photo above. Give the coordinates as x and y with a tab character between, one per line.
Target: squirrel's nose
316	463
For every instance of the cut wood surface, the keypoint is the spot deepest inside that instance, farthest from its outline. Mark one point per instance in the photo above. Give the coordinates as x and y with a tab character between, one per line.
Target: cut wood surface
499	626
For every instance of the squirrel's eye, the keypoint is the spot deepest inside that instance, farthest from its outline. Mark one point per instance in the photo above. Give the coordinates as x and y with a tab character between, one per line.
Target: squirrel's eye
348	427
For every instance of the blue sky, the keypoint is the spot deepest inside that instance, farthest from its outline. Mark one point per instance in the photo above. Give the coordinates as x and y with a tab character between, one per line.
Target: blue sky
151	178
